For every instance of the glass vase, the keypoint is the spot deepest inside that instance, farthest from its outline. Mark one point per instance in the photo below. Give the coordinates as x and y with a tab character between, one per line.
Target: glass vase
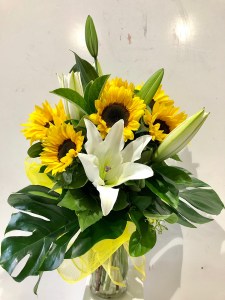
101	283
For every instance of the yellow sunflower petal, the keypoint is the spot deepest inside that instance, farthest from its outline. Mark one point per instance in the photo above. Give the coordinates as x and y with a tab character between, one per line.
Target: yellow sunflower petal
61	146
41	119
162	120
117	102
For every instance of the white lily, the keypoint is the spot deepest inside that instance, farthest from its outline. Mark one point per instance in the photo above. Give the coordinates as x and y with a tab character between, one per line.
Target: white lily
72	81
108	165
180	136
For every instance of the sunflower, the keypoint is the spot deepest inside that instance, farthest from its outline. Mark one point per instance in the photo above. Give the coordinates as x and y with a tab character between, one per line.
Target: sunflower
162	120
118	102
119	82
41	119
160	96
60	147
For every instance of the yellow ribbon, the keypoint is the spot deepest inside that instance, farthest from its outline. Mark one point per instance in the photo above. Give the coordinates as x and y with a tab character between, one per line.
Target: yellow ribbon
73	270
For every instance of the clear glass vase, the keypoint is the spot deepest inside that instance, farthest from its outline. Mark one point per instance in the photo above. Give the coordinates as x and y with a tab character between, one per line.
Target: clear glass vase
101	283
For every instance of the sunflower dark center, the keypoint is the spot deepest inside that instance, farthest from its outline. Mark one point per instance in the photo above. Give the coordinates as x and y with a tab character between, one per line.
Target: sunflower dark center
65	147
47	124
163	126
115	112
152	103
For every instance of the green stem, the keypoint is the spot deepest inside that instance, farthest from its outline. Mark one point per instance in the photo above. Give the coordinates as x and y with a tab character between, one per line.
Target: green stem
98	279
96	64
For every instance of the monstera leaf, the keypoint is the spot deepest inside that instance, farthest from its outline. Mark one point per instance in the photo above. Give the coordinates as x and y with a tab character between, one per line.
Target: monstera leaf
51	228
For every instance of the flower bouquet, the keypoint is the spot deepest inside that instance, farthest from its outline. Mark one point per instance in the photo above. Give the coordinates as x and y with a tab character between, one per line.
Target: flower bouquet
102	188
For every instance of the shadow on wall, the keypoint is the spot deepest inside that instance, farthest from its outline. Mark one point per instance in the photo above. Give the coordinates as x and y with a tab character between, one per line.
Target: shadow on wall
186	162
164	263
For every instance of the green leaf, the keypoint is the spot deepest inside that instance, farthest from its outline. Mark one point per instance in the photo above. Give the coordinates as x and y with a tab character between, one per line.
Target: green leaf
91	37
73	178
88	217
121	201
135	185
42	169
142	201
87	72
72	96
184	222
35	150
164	209
79	178
74	69
197	183
174	174
205	200
144	238
109	227
86	207
150	87
189	213
95	91
86	92
164	190
42	193
51	229
35	289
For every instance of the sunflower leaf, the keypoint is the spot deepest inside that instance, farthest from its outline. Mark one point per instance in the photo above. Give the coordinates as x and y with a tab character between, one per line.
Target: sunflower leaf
35	150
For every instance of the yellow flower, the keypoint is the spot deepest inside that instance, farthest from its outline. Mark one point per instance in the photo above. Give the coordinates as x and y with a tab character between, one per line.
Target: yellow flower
118	102
162	120
119	82
160	96
61	146
42	119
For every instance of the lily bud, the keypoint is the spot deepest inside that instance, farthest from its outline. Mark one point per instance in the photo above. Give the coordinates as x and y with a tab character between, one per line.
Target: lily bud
91	37
72	81
180	136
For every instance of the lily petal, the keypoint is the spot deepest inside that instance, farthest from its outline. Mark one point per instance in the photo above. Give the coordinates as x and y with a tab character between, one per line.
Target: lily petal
90	164
134	171
93	137
133	151
115	137
108	197
109	151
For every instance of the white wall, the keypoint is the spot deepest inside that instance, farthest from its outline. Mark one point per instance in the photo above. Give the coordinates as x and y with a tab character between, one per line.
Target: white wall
187	38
